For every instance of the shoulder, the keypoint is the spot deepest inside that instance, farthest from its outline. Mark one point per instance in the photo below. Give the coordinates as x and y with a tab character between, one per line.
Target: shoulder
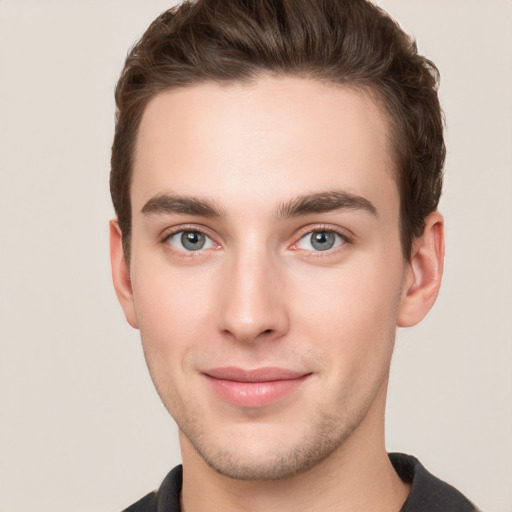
146	504
166	498
428	493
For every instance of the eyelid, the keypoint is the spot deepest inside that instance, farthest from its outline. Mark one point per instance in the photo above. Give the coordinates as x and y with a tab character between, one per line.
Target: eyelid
174	230
344	233
347	236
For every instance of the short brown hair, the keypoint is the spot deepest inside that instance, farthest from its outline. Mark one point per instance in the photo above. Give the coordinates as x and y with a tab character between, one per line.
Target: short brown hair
348	42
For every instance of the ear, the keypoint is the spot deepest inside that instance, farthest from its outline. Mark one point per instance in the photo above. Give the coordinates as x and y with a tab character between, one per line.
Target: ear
424	272
121	274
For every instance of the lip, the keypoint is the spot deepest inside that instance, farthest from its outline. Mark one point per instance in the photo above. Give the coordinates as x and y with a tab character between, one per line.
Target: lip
254	388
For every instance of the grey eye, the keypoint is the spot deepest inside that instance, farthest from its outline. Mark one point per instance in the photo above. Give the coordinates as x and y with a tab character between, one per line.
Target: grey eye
192	240
189	241
321	241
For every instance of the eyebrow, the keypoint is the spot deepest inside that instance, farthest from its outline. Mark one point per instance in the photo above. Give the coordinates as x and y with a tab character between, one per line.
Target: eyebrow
320	202
170	203
324	202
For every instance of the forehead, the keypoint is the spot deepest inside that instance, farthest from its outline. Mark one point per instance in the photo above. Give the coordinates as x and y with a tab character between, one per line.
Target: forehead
290	135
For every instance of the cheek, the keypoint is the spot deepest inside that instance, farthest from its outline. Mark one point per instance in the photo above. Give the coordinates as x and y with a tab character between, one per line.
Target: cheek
172	309
352	313
355	331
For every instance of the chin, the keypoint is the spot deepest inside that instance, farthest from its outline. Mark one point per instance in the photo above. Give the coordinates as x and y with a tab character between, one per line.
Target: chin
272	467
275	456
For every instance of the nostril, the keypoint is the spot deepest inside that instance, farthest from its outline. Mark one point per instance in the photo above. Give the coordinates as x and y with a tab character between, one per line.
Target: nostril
267	331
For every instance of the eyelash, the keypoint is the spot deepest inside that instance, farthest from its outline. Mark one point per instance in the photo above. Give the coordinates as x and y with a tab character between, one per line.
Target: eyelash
345	238
184	229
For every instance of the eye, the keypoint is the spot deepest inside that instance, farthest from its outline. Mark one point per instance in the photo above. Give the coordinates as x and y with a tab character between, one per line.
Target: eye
189	241
319	241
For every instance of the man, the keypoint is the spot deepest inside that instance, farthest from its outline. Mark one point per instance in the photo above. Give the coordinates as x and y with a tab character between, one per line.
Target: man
276	171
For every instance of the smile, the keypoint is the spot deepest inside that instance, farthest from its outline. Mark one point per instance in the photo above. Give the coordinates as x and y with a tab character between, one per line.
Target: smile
254	388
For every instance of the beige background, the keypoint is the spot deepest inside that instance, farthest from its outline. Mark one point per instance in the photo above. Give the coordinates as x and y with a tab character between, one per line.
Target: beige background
81	427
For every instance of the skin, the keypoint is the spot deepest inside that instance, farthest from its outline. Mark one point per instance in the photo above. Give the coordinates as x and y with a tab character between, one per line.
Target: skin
234	162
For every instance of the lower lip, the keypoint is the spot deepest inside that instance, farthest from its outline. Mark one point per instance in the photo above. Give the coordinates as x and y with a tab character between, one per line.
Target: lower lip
254	394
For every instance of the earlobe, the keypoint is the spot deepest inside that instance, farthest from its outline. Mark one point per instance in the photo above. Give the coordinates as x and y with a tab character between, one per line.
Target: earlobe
424	273
121	274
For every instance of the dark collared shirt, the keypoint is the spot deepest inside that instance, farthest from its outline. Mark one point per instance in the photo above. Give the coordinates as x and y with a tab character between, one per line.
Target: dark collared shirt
428	493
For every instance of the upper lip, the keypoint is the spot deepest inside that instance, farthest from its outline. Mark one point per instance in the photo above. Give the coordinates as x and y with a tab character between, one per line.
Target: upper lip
256	375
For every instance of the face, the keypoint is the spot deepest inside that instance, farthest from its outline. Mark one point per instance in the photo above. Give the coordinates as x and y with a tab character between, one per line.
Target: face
266	272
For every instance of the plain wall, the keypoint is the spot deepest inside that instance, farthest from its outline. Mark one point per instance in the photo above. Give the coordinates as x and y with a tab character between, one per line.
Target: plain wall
81	427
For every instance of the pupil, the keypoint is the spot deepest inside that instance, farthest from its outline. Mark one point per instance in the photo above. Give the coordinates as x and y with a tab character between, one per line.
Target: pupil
322	240
192	240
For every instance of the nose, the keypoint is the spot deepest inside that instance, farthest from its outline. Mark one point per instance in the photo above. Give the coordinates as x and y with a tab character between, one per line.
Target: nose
251	301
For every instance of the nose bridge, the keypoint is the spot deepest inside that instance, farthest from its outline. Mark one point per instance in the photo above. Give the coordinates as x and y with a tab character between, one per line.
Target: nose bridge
251	304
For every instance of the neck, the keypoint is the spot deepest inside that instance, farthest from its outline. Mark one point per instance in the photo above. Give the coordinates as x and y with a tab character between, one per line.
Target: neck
356	476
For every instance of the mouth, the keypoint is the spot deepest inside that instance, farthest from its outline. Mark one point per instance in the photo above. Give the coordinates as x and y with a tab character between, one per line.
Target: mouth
254	388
